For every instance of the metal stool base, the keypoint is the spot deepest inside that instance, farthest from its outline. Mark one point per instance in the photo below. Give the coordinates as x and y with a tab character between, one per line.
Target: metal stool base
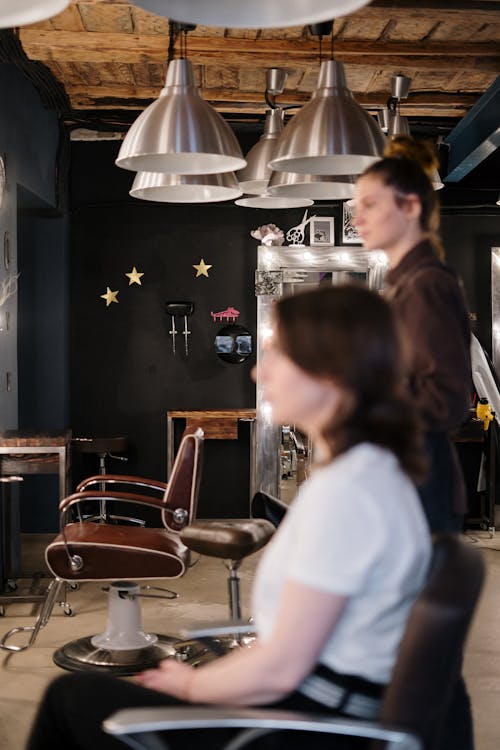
197	652
82	656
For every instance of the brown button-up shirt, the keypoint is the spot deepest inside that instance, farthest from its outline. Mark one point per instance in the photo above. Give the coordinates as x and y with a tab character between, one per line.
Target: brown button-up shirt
429	305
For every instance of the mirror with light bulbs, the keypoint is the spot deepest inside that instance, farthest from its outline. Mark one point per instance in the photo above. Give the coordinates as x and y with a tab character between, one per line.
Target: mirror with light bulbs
282	453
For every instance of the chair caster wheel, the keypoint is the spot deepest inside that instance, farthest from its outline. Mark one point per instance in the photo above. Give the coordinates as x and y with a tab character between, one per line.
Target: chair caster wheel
68	612
74	586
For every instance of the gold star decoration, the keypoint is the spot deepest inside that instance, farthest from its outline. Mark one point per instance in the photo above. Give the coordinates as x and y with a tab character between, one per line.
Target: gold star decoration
109	296
201	268
134	276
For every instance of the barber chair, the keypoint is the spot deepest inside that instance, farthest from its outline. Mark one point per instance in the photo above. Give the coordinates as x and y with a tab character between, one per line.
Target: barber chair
415	702
86	550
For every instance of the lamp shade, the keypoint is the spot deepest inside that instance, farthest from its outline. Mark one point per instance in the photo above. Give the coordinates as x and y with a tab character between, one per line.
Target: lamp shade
274	201
436	180
315	186
331	134
399	125
188	188
257	14
22	12
254	177
180	133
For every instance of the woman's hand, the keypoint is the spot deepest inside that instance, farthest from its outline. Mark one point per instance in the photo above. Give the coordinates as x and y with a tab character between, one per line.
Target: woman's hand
171	676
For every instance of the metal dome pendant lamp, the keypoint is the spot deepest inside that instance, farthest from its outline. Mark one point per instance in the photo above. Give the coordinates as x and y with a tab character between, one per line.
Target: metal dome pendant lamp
314	186
257	14
15	13
187	188
332	134
254	178
180	133
398	124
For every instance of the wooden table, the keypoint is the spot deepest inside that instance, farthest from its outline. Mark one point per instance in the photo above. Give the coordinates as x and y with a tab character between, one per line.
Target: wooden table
217	424
32	452
28	452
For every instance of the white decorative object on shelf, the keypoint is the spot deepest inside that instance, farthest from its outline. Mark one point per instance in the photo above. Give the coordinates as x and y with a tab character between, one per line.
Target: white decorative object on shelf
269	234
295	235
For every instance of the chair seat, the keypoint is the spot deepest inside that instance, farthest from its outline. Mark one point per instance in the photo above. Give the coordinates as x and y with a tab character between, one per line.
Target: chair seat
114	552
229	540
99	445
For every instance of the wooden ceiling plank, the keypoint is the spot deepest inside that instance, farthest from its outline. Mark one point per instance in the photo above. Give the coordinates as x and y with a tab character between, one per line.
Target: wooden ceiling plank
133	47
149	76
372	99
105	17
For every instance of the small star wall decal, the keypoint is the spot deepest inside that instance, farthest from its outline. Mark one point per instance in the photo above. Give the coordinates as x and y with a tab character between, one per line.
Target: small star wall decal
134	276
109	296
201	268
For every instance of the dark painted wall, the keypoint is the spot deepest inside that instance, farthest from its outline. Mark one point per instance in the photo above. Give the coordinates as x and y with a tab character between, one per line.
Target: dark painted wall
35	349
124	375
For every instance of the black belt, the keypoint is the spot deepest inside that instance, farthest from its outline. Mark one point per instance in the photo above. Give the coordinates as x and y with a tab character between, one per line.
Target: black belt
344	693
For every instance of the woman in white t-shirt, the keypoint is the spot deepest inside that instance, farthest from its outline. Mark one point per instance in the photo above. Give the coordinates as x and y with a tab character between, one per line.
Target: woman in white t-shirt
335	585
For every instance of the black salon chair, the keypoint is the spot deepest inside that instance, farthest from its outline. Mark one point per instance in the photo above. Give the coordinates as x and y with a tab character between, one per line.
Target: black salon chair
415	702
231	541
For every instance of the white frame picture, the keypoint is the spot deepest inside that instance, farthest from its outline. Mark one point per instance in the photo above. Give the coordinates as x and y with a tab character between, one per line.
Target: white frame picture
321	231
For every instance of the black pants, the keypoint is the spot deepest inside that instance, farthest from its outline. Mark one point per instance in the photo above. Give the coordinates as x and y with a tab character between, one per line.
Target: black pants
442	496
75	705
443	492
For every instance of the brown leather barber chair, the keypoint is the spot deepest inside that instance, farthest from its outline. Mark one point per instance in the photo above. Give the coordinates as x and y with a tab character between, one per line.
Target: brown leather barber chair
86	550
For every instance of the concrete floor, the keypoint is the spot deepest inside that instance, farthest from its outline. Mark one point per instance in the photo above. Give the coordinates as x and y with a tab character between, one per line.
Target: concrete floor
202	598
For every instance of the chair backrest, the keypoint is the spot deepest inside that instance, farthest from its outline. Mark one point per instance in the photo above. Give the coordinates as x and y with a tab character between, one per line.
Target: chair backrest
181	496
430	653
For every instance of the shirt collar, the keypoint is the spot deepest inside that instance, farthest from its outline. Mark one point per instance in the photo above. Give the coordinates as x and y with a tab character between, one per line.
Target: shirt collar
421	252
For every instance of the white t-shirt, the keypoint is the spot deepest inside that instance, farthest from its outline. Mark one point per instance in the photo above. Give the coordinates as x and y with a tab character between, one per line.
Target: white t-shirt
356	528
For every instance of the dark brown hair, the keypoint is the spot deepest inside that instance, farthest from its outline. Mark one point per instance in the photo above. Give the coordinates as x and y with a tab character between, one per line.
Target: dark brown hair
407	167
347	334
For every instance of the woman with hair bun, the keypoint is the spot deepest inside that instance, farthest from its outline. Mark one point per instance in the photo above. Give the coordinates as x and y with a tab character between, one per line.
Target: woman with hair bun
397	210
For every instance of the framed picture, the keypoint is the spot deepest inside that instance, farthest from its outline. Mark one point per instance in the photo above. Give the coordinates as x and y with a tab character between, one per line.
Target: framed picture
321	231
350	235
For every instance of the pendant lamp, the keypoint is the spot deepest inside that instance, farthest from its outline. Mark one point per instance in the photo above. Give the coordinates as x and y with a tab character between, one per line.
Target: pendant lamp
315	186
180	133
254	177
188	188
399	125
274	201
15	13
331	134
257	14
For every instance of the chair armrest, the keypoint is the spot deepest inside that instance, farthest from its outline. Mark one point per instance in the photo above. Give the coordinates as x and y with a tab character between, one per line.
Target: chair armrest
79	497
98	479
216	629
136	721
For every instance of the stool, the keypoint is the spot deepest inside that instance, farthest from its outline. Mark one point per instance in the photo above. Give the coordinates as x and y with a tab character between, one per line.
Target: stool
105	447
230	541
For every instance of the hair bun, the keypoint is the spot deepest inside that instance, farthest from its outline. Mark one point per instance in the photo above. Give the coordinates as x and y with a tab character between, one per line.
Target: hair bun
421	151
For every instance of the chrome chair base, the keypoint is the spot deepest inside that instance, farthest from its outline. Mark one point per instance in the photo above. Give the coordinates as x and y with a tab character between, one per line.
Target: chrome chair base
82	656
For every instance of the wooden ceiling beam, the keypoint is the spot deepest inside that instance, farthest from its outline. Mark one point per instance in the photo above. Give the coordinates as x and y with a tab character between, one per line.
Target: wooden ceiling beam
98	48
419	104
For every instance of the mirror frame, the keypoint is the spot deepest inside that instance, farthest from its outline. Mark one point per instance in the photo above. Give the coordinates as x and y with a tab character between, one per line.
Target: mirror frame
495	307
273	263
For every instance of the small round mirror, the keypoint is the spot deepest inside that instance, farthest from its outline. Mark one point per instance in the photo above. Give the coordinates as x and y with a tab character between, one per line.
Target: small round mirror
233	344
